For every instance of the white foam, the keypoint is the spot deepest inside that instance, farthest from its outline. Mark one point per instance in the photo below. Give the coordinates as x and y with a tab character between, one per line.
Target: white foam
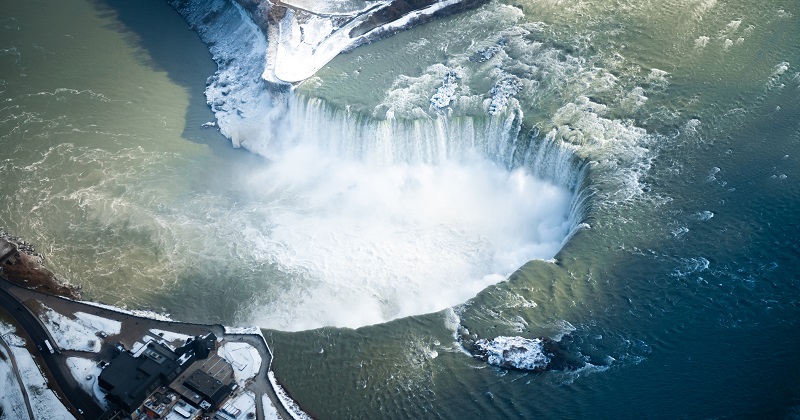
365	244
367	219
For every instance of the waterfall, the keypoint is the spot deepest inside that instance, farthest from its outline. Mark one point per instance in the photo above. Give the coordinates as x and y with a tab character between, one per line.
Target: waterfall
373	218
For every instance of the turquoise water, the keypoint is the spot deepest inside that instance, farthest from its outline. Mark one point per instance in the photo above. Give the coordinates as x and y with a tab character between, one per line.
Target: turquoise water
679	299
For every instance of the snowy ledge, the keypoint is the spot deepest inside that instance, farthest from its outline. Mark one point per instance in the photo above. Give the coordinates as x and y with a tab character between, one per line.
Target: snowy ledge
309	34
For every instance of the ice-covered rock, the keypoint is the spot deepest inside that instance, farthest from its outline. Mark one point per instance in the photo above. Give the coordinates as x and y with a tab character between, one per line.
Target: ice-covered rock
513	353
447	92
501	92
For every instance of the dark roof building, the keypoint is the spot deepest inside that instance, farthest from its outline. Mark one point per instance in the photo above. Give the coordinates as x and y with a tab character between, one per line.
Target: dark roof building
201	346
211	389
128	380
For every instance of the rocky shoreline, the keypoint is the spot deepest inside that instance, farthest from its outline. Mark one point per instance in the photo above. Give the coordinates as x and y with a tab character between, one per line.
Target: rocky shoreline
26	269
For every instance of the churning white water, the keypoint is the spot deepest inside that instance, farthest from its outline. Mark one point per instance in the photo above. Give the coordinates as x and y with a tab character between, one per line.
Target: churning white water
370	219
367	243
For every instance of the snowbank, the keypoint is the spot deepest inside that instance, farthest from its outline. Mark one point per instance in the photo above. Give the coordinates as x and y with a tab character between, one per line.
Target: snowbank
135	312
287	402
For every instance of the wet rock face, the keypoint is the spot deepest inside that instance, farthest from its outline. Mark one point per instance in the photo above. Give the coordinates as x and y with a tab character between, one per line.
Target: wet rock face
27	269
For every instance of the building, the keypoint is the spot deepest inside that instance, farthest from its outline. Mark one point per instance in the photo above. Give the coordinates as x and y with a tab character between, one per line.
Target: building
130	379
133	376
209	388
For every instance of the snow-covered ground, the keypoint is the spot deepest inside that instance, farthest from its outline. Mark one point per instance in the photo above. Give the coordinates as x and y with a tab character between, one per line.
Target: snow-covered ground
270	412
244	358
12	402
82	369
108	326
242	405
44	402
70	334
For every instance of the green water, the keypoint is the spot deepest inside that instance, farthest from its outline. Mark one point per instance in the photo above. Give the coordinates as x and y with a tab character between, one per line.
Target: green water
681	298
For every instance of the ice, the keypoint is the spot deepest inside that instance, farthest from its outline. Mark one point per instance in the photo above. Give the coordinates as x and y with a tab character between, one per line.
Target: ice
305	47
501	93
516	352
447	92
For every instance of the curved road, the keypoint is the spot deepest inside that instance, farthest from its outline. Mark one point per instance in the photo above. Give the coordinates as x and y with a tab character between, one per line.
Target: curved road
54	363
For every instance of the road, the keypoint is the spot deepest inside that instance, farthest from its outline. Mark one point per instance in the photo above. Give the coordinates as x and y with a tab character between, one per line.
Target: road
54	363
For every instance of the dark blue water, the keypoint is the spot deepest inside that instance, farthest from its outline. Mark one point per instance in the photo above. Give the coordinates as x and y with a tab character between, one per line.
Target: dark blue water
679	300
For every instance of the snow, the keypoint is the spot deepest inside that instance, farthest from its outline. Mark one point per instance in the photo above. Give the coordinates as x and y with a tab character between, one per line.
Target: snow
244	403
447	92
335	7
242	330
171	336
270	412
303	49
80	368
244	358
135	312
501	92
44	402
12	402
174	415
287	402
138	348
68	333
106	325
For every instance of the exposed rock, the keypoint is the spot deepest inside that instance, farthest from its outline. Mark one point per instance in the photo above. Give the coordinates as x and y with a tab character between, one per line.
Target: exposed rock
519	353
26	269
